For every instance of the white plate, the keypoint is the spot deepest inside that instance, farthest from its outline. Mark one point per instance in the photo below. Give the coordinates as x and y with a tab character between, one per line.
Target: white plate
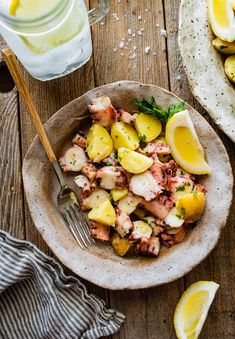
99	264
204	65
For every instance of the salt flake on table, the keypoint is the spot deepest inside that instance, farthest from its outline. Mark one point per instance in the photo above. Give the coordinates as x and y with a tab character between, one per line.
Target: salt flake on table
147	50
163	33
139	17
129	32
122	44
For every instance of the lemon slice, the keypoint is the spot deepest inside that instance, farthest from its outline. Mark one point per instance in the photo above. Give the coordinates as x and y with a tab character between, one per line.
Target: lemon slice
71	27
185	145
192	309
31	8
221	17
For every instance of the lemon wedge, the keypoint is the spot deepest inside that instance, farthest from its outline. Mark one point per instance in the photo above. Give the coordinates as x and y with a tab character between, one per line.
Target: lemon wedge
192	309
184	143
221	17
13	6
191	205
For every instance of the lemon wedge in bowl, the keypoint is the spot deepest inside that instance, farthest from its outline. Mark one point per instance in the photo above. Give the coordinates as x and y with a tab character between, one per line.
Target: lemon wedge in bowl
192	309
221	17
185	145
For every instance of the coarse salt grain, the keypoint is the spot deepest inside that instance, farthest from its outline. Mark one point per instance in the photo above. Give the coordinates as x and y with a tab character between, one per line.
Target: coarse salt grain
139	17
129	32
147	50
163	33
122	44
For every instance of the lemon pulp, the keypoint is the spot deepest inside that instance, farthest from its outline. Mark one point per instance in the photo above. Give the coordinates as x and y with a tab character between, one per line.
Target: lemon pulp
221	13
186	145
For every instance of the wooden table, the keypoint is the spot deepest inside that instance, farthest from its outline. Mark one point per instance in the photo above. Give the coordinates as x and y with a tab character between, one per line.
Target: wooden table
149	313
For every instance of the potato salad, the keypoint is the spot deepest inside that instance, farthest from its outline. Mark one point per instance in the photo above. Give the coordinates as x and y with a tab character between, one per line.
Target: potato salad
135	187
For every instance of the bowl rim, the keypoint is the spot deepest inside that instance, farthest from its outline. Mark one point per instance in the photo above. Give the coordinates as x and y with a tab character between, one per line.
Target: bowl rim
105	283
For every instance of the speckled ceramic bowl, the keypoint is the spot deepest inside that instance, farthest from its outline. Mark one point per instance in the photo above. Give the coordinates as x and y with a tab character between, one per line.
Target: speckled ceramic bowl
204	65
99	264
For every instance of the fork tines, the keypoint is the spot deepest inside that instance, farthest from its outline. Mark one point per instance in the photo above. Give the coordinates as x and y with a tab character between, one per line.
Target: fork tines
78	225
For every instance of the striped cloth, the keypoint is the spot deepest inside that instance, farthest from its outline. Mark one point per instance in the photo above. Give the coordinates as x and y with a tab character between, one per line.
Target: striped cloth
38	301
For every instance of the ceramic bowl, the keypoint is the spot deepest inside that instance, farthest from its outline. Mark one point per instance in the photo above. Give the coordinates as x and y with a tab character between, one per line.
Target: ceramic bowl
99	264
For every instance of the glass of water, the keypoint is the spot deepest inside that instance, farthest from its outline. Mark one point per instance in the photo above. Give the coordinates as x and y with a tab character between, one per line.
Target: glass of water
50	38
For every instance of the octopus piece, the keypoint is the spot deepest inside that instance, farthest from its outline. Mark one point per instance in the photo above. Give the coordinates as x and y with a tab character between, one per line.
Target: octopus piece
99	231
174	238
123	223
110	177
155	207
179	186
157	170
159	147
145	185
111	160
89	170
83	182
79	140
125	117
102	111
152	247
170	168
199	188
73	159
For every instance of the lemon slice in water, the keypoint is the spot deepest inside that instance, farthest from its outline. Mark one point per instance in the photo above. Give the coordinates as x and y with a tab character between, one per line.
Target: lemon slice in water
192	309
221	17
26	9
71	27
185	145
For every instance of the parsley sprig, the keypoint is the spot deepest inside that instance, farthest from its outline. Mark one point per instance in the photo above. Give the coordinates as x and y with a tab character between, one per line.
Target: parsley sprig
152	108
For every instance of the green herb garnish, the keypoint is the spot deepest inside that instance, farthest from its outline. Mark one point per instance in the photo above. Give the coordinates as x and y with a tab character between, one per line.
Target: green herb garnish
195	194
143	138
183	211
180	188
152	108
179	216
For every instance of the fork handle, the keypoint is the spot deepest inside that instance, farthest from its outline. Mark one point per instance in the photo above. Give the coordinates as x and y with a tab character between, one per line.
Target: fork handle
16	73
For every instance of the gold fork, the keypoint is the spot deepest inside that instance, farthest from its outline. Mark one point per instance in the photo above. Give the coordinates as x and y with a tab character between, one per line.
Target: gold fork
66	199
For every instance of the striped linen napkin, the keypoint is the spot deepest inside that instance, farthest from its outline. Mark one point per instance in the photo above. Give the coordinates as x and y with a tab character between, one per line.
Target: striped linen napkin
38	301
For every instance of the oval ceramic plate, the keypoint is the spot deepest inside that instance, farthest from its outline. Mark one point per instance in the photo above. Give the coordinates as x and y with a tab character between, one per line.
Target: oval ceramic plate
99	264
204	65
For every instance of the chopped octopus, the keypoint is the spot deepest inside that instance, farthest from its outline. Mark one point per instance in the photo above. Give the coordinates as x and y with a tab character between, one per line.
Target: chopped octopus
110	177
99	231
102	111
123	223
73	159
79	140
145	185
125	117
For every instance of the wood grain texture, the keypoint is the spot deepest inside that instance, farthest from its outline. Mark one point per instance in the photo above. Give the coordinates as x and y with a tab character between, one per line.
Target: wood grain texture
149	57
11	192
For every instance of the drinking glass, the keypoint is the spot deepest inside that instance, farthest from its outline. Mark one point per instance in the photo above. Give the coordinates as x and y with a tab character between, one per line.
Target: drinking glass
54	42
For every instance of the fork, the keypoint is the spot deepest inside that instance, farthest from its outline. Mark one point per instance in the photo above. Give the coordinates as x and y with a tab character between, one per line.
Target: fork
67	200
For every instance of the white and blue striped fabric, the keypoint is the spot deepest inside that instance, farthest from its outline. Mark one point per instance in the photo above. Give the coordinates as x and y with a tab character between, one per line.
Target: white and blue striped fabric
38	301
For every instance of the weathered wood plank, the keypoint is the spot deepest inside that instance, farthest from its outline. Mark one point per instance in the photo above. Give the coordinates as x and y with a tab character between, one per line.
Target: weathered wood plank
11	192
219	265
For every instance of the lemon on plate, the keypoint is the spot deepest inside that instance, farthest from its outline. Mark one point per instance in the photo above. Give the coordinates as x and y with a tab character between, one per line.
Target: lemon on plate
221	17
185	145
192	309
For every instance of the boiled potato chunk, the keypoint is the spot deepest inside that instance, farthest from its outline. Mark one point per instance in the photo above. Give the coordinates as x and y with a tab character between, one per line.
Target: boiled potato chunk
95	198
129	203
99	143
118	194
224	46
148	127
124	135
191	206
133	162
103	213
229	68
120	245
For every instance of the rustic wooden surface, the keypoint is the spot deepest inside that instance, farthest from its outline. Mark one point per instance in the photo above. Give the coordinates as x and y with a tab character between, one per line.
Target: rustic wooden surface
149	313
